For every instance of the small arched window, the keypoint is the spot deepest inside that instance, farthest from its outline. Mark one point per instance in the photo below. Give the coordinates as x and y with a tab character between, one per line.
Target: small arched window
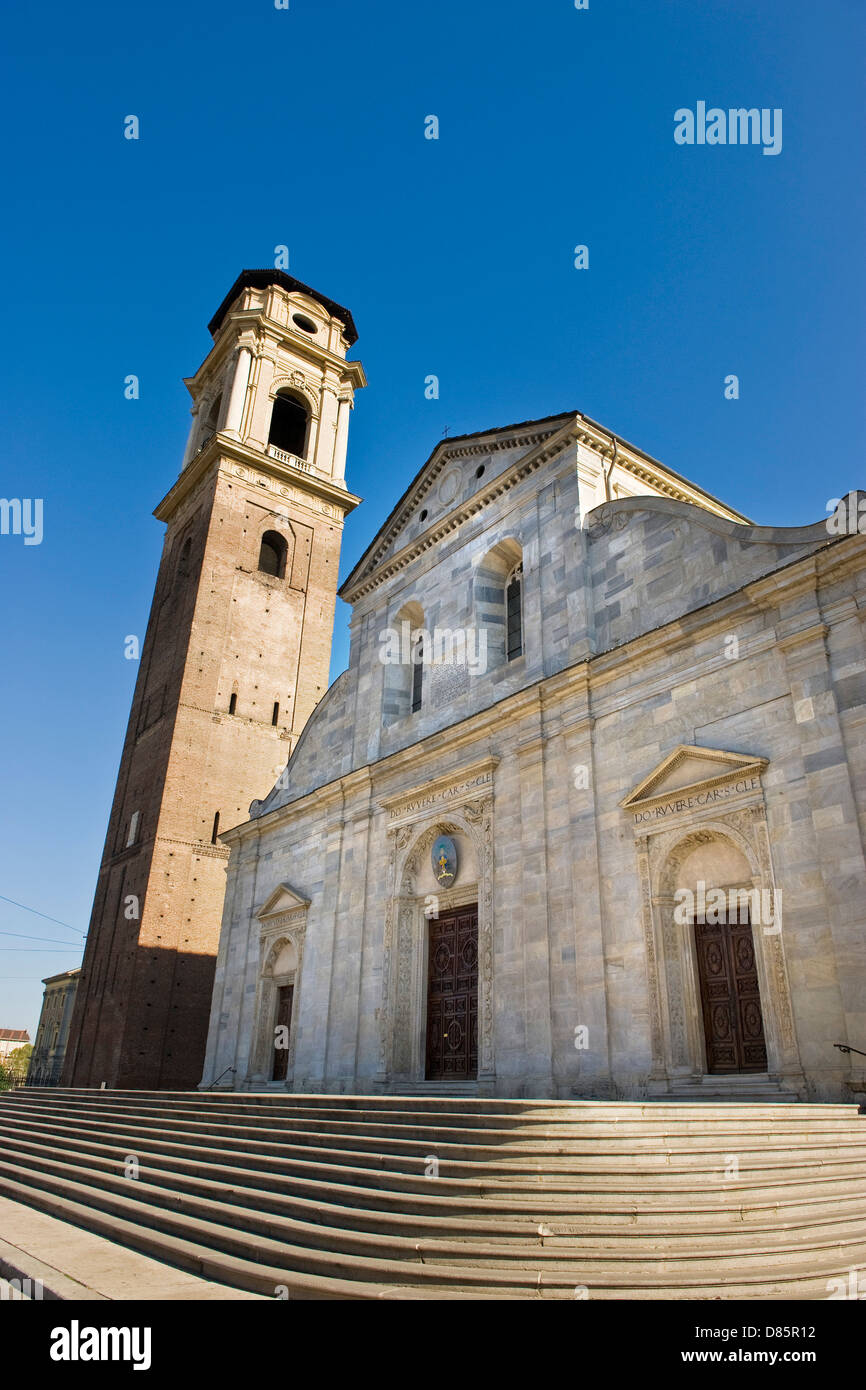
289	420
233	702
272	554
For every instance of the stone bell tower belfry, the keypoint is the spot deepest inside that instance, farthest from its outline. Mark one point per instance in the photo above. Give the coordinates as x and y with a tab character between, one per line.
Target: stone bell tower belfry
235	659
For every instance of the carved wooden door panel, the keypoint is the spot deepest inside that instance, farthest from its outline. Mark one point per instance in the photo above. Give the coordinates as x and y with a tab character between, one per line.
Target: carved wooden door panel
285	995
452	996
731	1002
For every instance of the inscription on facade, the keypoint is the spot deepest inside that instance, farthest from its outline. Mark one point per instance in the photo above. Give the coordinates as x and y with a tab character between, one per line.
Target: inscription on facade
442	797
691	803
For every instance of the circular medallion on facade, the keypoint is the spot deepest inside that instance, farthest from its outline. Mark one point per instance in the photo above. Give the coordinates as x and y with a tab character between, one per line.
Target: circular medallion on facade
444	857
449	486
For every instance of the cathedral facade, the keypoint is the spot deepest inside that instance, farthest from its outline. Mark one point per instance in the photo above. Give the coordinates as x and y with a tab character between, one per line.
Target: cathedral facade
585	814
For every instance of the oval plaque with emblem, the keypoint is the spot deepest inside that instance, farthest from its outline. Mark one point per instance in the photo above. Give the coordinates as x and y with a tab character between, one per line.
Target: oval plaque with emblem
444	856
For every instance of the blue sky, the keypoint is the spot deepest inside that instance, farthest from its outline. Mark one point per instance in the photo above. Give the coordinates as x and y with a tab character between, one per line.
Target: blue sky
305	127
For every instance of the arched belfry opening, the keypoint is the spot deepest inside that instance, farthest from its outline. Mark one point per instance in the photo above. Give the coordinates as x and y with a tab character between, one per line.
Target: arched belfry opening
272	554
290	419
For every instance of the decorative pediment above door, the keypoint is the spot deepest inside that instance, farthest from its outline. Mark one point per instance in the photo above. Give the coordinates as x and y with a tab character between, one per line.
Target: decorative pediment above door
694	779
283	899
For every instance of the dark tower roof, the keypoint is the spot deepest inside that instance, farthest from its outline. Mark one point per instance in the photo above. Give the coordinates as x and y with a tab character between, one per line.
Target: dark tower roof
260	279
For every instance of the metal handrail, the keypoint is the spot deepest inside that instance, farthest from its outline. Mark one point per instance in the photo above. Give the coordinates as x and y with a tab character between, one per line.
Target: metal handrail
843	1047
233	1071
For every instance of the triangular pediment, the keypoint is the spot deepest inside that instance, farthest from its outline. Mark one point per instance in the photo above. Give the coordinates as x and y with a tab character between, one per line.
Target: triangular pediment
283	899
457	476
688	769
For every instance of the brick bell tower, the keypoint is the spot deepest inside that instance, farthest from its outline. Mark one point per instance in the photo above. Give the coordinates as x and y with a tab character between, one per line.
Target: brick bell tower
234	660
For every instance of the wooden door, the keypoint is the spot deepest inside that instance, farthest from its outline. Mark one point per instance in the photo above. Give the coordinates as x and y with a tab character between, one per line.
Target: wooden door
285	995
452	996
733	1023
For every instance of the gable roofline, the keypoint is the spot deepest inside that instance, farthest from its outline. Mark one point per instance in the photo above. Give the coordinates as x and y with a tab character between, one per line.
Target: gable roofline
498	436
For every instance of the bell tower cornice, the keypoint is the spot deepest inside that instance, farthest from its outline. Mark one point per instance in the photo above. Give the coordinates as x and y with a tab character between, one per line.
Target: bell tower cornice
221	451
263	338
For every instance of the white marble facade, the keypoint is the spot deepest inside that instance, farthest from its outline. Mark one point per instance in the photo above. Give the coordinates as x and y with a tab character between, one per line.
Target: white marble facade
688	708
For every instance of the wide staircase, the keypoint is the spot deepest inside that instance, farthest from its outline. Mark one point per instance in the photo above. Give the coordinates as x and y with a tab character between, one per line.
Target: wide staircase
306	1196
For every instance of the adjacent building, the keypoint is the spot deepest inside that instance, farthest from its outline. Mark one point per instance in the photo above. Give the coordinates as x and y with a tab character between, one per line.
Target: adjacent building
11	1039
52	1034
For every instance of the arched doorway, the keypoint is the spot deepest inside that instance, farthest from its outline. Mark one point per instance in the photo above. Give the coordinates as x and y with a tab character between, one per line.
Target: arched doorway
723	1004
425	987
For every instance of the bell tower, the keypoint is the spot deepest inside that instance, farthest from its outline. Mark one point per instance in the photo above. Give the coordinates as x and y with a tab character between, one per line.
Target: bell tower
234	660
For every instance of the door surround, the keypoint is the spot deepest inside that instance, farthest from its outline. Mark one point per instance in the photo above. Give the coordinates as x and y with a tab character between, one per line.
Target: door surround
403	1016
282	934
676	1015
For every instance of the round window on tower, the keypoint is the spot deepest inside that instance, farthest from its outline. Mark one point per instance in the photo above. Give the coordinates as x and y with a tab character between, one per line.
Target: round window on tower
306	325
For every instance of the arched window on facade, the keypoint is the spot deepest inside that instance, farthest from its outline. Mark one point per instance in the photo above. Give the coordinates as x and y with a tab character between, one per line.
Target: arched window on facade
289	421
498	602
272	554
404	665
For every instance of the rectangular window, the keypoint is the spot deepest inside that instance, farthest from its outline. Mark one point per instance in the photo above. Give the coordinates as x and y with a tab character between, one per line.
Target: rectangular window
417	677
514	640
133	828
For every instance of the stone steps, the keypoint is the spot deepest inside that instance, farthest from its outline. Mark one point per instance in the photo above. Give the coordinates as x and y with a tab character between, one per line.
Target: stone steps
462	1138
707	1152
242	1189
439	1216
639	1191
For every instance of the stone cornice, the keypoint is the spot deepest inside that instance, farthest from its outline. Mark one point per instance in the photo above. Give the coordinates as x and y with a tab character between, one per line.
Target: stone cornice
540	445
649	471
602	670
221	448
256	322
452	788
